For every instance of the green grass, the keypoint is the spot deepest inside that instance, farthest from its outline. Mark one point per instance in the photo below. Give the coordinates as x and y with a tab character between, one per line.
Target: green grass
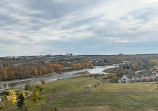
61	88
115	101
128	87
74	95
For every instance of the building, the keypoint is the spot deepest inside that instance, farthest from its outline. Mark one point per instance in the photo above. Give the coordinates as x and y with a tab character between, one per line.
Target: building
69	55
139	77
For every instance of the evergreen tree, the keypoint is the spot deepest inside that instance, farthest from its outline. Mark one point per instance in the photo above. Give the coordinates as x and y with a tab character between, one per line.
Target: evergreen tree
20	101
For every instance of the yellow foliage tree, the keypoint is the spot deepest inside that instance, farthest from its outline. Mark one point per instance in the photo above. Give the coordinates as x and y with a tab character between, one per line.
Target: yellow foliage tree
37	94
23	93
12	97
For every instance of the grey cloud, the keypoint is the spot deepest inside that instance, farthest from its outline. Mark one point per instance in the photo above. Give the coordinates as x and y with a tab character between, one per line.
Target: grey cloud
37	21
52	9
145	14
5	19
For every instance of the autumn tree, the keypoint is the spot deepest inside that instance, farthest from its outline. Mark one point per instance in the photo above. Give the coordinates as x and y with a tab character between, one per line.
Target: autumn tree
35	71
12	97
34	95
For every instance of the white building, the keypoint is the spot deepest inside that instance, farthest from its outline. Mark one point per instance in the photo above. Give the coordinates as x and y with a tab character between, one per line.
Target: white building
139	77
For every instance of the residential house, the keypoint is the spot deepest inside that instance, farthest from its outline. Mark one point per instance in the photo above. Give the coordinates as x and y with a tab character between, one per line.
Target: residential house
142	76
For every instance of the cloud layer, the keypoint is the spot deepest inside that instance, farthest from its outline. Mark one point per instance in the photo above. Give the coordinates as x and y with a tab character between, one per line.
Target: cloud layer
30	27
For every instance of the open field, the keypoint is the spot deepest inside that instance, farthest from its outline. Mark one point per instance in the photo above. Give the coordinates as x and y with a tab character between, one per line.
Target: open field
80	94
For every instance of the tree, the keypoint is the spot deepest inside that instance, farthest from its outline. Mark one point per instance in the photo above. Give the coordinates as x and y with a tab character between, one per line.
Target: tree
39	86
23	93
34	95
35	71
5	101
12	97
20	101
43	82
152	63
5	105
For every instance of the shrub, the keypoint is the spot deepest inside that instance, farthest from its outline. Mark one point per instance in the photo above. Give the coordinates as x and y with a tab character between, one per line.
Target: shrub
39	86
5	93
34	95
114	80
28	86
43	82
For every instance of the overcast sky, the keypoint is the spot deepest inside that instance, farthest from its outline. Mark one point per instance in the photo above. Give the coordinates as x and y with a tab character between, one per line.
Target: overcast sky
33	27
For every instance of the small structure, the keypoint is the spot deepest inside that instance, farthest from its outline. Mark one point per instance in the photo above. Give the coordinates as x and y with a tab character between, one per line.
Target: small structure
126	78
69	55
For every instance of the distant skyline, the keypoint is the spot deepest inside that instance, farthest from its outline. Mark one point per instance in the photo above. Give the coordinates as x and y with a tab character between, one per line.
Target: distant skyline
41	27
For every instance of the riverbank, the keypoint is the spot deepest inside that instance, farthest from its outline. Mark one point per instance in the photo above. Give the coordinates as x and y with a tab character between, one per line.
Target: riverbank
20	83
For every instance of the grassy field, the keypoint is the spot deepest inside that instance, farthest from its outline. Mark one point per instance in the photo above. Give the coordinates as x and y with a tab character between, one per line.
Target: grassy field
80	94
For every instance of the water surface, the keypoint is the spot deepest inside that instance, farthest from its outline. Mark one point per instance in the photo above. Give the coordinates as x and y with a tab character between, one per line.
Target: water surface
20	83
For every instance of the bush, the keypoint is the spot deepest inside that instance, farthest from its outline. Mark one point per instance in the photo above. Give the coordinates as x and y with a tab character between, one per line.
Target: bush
43	82
28	86
5	93
114	80
34	95
39	86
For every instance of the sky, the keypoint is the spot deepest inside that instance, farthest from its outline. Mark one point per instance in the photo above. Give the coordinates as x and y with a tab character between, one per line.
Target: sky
39	27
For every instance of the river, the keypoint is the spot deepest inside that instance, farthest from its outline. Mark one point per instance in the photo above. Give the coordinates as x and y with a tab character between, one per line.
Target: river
20	83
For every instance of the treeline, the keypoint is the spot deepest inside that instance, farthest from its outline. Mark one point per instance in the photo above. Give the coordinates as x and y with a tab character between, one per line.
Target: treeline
128	68
81	66
21	72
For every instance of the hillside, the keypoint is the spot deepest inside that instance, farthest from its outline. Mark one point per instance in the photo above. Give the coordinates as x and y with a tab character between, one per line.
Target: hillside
80	94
